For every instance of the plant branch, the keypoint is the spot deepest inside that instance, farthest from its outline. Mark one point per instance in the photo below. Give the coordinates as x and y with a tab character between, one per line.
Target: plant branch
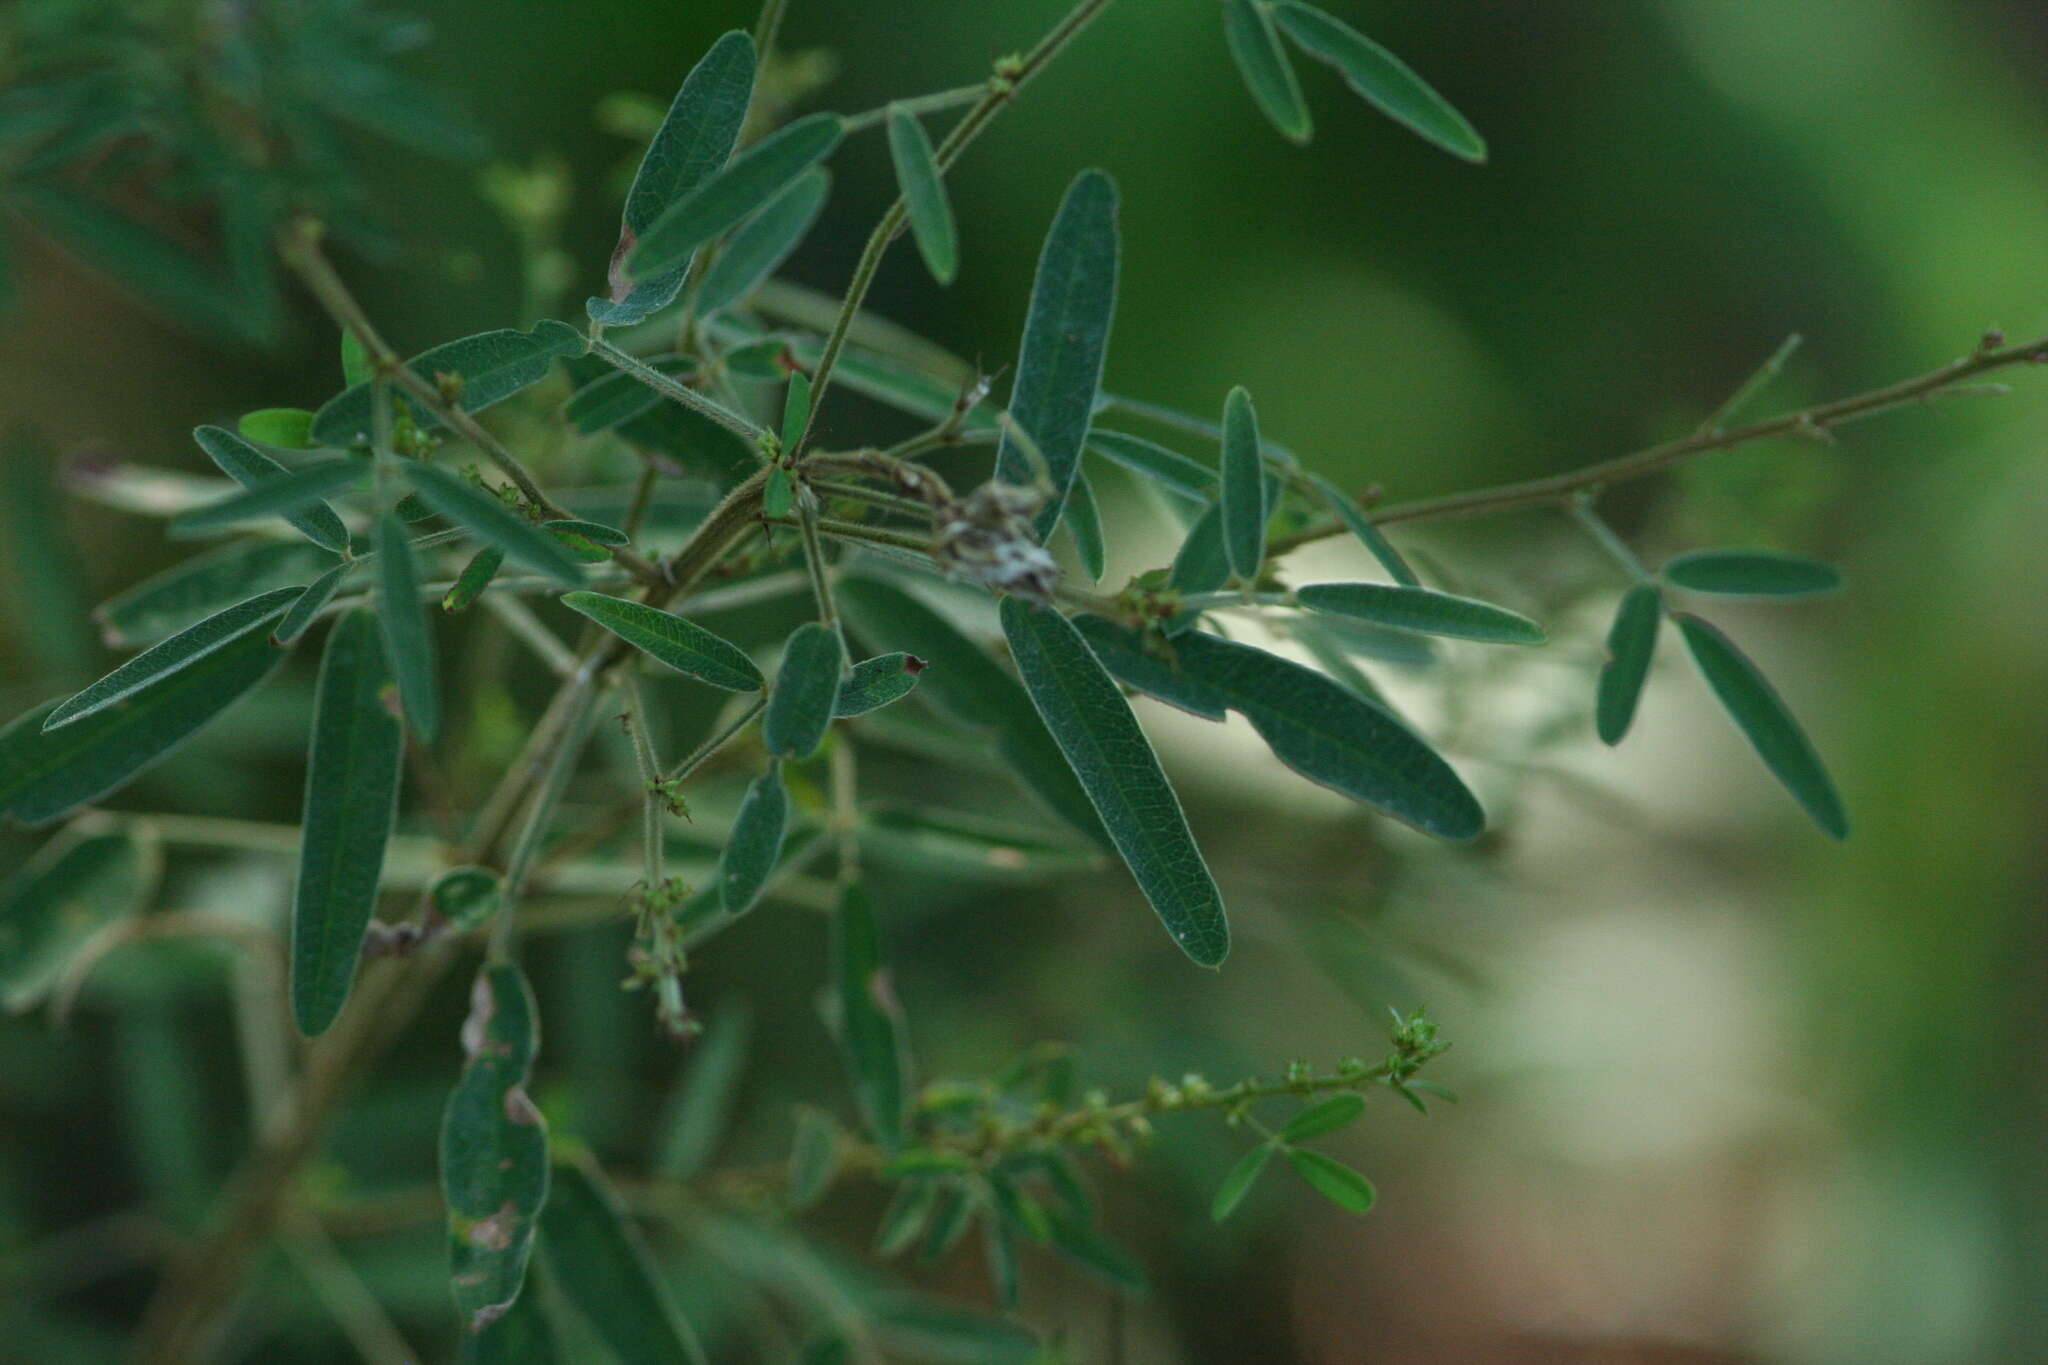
1813	422
1010	79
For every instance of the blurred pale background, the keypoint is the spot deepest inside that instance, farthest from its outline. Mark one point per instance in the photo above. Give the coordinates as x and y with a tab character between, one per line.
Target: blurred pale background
1730	1092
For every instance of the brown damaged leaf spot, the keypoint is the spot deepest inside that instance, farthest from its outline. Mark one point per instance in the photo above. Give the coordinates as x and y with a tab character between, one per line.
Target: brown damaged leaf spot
622	283
483	1003
495	1232
914	665
520	1109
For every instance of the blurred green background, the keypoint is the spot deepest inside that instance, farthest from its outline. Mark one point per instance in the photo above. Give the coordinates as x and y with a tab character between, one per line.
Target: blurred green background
1730	1093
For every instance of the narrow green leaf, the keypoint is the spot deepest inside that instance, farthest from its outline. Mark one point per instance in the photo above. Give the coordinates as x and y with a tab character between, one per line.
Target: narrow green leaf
903	1222
868	1020
778	496
972	689
813	1156
1066	340
308	605
1380	78
617	397
920	1329
465	897
966	848
1239	1181
1202	564
474	578
755	844
491	365
796	410
806	692
494	1149
1631	645
44	776
596	532
761	173
180	652
1369	535
683	645
1173	471
1751	573
924	194
1244	488
355	360
1094	727
1422	611
603	1267
1083	1244
86	878
762	243
696	1123
1328	1116
289	428
693	144
1333	1180
1084	522
949	1223
1267	72
351	801
181	287
876	682
285	495
999	1244
408	634
1762	715
1316	727
488	519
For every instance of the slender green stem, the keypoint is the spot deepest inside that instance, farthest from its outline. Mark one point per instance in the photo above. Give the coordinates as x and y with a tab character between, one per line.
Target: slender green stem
873	497
654	850
1583	512
669	387
814	561
846	807
1813	422
919	105
547	797
717	741
1008	83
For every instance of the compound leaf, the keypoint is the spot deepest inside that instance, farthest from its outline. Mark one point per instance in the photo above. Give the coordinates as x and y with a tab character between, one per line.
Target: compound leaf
351	801
1333	1180
1093	725
491	367
1268	74
1423	611
248	466
683	645
1244	488
1380	78
488	519
755	844
604	1268
761	173
1751	573
407	632
1066	340
868	1020
1631	645
1762	715
179	652
806	691
1315	726
694	142
494	1149
924	194
47	775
